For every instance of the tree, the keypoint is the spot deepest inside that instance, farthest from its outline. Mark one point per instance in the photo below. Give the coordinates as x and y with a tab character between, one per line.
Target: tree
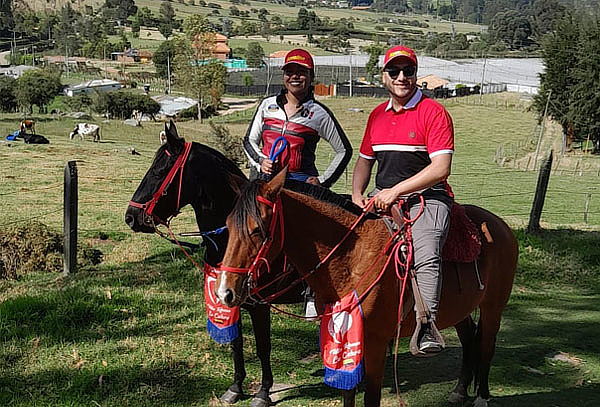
584	109
66	35
513	28
255	55
166	30
6	18
165	51
193	66
37	87
8	101
560	57
122	9
544	15
374	51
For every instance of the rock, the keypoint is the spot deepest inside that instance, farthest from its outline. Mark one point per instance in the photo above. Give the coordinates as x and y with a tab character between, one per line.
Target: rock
132	122
355	110
80	115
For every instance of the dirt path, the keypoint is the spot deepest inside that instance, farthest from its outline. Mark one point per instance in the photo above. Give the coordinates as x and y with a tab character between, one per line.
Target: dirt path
236	105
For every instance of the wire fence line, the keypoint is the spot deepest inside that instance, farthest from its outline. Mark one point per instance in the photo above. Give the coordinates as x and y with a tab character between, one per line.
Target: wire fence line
108	198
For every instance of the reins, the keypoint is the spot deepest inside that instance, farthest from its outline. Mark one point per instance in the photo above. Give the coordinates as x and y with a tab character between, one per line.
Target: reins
148	207
391	250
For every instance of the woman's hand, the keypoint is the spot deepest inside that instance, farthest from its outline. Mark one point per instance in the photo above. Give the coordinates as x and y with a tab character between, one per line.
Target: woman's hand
313	180
267	166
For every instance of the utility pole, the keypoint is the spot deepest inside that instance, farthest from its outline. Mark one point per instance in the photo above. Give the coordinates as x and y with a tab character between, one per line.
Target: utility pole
168	73
350	92
482	79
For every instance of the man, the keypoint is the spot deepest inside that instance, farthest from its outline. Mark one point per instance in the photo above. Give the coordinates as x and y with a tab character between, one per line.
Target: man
295	115
411	138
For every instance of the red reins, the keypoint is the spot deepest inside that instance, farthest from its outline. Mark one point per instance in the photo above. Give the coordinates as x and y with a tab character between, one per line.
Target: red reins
148	207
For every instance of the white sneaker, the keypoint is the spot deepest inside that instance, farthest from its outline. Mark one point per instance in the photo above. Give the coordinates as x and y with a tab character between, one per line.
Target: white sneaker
310	310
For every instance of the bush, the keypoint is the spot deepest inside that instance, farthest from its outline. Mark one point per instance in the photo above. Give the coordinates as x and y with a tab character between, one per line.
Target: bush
8	102
34	247
192	112
121	104
230	145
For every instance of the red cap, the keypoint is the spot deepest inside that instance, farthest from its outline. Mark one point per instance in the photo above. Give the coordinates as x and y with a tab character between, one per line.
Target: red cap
400	51
300	57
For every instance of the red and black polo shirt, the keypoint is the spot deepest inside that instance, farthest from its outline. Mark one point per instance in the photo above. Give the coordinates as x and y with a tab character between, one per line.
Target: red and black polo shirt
404	142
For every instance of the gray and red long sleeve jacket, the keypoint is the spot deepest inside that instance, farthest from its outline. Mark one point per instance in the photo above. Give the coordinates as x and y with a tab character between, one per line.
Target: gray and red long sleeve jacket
302	131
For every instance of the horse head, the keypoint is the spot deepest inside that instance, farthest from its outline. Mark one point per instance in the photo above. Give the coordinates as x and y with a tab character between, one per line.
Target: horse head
159	195
181	174
255	239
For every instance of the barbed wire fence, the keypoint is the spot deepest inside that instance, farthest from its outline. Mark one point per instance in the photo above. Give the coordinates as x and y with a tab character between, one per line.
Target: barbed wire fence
101	205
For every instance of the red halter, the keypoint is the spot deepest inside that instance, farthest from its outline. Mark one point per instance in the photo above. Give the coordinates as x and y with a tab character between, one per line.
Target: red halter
148	207
254	271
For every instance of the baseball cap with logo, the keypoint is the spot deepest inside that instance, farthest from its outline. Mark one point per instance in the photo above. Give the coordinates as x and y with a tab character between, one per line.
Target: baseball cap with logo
400	51
300	57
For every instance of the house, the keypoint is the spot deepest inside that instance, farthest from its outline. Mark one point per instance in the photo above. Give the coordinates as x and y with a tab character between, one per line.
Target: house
5	59
15	71
431	82
93	86
132	55
220	49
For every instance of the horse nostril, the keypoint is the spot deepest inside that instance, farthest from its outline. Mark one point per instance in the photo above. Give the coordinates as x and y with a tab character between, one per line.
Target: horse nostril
229	297
130	220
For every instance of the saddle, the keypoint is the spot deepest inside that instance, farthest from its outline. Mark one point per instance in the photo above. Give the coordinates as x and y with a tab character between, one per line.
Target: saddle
463	245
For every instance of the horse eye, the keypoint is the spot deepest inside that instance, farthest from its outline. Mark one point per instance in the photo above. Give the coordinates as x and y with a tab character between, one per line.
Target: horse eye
255	232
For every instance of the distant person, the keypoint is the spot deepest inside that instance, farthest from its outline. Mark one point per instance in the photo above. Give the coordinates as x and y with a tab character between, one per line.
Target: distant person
297	117
411	137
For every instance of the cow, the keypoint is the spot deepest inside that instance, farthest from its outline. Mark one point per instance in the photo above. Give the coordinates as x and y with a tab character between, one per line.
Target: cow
86	129
162	137
27	125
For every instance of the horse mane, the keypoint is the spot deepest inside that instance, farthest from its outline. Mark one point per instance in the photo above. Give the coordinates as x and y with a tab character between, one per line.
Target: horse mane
247	205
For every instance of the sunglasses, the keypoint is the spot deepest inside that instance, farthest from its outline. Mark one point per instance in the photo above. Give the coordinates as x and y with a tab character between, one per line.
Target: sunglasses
394	71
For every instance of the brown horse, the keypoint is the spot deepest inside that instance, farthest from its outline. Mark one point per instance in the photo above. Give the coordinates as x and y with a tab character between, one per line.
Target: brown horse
310	227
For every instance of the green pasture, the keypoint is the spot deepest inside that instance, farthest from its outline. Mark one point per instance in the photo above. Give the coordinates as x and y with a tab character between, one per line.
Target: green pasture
130	331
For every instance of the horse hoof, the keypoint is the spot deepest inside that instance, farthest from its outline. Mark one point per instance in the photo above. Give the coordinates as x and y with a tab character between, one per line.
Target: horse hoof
480	402
455	398
258	402
231	397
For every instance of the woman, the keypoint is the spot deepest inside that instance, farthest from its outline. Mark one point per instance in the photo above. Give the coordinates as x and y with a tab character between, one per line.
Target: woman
295	115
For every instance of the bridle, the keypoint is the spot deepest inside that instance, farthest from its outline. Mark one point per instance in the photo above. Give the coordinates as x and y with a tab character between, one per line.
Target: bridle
148	207
253	271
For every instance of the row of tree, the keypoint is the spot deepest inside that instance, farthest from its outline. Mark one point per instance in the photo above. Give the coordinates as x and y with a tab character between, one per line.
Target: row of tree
570	86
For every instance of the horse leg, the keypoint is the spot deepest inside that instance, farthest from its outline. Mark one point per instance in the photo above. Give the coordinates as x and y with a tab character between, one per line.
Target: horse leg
374	367
349	397
487	329
261	324
235	392
466	333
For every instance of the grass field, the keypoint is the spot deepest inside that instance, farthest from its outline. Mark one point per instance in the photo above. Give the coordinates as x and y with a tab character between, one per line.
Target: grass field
130	331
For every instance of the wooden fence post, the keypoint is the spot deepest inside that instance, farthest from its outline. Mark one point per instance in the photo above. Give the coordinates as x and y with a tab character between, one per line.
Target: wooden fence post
586	210
540	196
70	218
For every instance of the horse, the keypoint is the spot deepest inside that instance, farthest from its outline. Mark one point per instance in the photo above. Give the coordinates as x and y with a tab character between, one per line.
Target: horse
27	125
86	129
210	183
306	228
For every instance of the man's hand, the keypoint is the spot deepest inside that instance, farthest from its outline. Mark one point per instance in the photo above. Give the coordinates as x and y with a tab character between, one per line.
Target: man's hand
267	166
385	198
313	180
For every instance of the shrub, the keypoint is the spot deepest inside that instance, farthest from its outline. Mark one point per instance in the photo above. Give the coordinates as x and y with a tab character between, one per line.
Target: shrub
122	104
33	247
8	102
231	146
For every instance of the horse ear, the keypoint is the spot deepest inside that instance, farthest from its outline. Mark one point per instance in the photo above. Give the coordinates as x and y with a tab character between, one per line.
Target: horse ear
171	132
273	187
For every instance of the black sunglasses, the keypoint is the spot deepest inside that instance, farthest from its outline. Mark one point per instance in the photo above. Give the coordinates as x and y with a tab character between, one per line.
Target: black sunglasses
394	71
